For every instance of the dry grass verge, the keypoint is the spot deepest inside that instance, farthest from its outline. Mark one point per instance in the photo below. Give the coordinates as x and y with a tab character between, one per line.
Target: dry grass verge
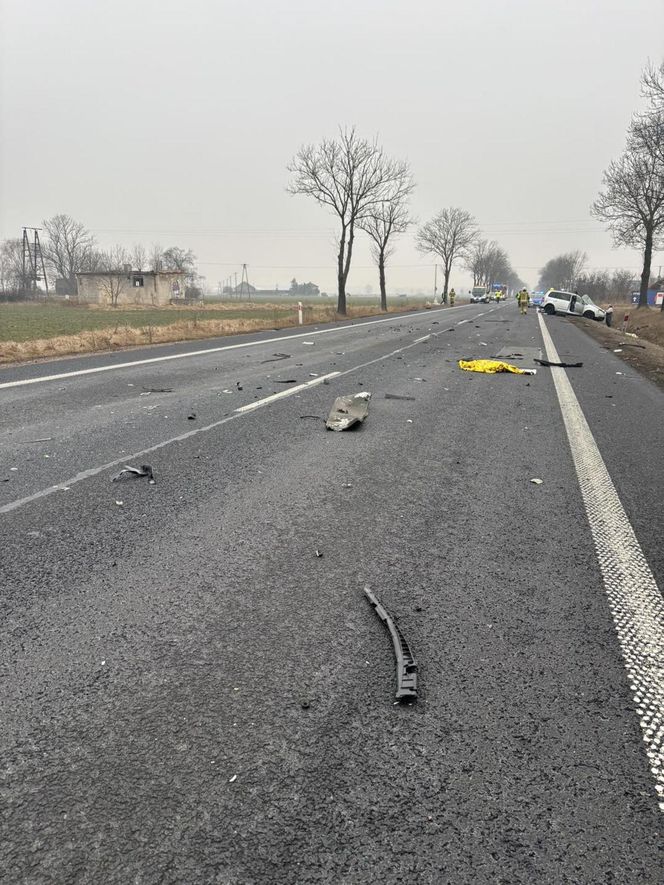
183	329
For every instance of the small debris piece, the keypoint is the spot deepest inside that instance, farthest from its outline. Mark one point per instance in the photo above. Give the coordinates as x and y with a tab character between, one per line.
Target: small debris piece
406	663
348	411
483	344
43	439
317	417
129	472
620	373
232	779
630	344
276	357
543	362
305	705
319	555
119	503
159	389
537	482
287	381
398	396
191	416
618	350
309	342
491	367
419	379
238	385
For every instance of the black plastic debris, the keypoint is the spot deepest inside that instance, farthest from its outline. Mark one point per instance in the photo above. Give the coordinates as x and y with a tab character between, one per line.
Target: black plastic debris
276	357
406	663
286	381
559	365
159	389
191	416
348	411
319	555
238	385
398	396
129	472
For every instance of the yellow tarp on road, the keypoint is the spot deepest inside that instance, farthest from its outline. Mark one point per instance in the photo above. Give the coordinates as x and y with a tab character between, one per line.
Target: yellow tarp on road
490	367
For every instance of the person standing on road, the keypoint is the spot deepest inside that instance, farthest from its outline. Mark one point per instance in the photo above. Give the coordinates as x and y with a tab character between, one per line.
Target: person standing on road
522	298
608	316
452	296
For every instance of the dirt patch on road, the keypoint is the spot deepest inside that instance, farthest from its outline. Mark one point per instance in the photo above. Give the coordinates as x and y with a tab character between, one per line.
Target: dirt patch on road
641	353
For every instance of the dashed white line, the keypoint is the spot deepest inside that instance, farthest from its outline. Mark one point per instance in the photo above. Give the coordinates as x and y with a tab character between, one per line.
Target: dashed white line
423	338
635	600
284	393
193	353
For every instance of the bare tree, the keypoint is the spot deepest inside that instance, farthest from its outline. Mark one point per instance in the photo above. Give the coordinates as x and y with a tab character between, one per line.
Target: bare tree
632	205
67	246
351	176
476	261
562	271
155	258
112	272
11	266
139	257
386	220
450	235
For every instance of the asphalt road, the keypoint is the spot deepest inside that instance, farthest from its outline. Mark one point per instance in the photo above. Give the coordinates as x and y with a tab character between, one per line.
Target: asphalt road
188	693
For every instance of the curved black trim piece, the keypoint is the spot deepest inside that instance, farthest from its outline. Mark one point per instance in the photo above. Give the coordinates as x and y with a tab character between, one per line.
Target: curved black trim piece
406	663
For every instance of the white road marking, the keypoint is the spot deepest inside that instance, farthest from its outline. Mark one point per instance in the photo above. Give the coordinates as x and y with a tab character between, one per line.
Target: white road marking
423	338
94	471
284	393
635	600
192	353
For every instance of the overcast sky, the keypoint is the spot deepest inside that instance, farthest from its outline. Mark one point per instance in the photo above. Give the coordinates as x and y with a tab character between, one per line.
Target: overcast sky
170	121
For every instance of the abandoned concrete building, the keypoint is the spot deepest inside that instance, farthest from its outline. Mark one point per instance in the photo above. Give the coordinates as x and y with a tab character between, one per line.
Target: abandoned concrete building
130	287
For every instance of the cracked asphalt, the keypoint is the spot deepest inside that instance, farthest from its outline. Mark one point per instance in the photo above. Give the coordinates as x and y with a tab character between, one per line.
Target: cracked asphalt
189	694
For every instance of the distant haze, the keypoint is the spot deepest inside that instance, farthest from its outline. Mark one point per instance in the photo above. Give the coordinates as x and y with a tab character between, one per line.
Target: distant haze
173	122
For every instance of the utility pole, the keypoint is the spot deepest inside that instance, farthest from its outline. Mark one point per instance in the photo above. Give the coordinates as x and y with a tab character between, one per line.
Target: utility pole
236	292
245	279
32	260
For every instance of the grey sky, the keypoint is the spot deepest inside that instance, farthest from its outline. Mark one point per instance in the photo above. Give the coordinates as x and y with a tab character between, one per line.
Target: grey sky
156	120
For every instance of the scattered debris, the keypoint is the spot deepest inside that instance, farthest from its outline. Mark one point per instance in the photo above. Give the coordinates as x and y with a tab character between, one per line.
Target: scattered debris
398	396
317	417
483	344
348	411
129	472
347	485
618	350
238	385
406	663
620	373
319	555
543	362
119	503
630	344
43	439
536	481
310	343
158	389
419	379
313	374
409	420
276	357
191	416
491	367
232	779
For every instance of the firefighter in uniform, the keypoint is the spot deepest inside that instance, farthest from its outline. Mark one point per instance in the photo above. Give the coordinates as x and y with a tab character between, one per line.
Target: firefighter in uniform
452	297
522	298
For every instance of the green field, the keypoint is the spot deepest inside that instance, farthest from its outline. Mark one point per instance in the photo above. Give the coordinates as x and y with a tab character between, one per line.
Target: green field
26	322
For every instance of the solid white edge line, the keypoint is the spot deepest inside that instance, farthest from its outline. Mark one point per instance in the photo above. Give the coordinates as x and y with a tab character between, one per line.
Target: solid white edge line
635	600
284	393
192	353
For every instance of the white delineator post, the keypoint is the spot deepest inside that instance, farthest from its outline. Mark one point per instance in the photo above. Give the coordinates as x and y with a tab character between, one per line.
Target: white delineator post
300	316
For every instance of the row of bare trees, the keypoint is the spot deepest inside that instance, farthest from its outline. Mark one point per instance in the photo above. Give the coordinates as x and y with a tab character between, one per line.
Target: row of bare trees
369	191
631	202
70	248
568	271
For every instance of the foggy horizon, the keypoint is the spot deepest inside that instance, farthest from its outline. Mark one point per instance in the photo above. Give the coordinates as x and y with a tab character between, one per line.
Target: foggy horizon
154	122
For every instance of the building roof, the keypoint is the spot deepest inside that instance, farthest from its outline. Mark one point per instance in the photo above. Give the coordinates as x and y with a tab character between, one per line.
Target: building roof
119	270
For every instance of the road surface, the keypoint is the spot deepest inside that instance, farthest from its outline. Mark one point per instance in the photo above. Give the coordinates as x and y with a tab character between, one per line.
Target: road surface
189	693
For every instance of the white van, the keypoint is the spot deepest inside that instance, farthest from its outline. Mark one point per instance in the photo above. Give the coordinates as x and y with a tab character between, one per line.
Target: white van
556	301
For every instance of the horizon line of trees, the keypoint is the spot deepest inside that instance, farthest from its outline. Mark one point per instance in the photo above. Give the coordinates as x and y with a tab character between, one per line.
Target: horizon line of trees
69	248
567	271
